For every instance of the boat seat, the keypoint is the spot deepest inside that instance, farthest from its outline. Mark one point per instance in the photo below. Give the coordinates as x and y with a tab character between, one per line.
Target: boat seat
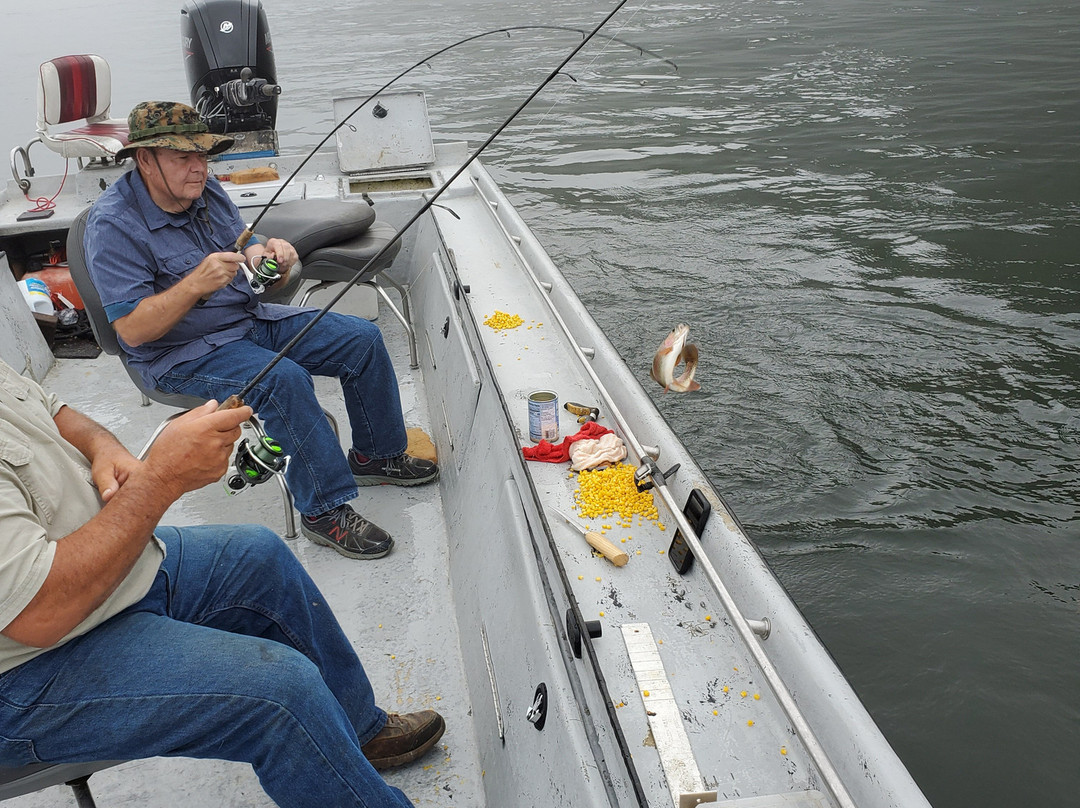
79	88
335	240
110	344
15	782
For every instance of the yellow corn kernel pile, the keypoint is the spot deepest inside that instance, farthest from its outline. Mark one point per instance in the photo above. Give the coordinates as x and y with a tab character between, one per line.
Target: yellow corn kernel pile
500	319
603	492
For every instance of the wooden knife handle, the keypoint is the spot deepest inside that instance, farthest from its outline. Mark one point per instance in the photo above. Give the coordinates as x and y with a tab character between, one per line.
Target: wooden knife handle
606	548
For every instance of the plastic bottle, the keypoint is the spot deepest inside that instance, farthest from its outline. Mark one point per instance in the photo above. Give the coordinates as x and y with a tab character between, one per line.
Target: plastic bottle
37	296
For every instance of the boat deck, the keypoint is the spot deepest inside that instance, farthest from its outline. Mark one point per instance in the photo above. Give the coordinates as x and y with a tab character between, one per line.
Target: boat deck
397	610
471	612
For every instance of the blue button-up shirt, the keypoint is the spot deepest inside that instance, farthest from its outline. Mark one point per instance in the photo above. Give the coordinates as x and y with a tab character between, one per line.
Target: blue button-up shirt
134	250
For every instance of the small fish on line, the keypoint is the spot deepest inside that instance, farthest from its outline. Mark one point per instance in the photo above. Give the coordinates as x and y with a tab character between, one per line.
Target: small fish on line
669	355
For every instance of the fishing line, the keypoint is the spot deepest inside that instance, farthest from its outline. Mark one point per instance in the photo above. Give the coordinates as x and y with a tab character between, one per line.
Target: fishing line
246	235
562	94
234	400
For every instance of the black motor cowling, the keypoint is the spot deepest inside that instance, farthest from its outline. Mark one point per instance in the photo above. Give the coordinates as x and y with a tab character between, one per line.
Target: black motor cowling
230	64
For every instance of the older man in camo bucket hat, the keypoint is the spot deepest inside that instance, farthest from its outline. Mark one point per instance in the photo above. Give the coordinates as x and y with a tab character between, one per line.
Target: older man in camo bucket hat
160	247
170	125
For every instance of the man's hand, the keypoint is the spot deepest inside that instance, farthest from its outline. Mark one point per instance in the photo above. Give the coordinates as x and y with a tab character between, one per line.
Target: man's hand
111	468
214	272
283	252
194	450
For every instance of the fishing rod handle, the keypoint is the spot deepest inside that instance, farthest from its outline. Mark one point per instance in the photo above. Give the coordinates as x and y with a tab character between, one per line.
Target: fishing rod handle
231	403
243	239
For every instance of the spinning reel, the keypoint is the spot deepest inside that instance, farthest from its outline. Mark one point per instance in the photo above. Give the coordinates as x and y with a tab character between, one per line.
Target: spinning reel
262	273
255	462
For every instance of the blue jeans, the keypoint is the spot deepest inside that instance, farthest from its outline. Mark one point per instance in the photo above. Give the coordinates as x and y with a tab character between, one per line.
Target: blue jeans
233	654
347	347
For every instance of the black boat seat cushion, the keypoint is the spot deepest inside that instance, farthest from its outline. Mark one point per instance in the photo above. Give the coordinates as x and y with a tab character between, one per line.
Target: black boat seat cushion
309	224
341	261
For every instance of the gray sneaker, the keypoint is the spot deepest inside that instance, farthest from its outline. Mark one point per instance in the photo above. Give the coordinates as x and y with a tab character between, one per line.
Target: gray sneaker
347	532
401	470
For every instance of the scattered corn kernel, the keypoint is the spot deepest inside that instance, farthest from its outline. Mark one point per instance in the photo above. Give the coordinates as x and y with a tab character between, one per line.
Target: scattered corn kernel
742	693
503	320
645	692
783	750
581	577
715	712
601	614
757	697
597	577
750	723
708	617
726	688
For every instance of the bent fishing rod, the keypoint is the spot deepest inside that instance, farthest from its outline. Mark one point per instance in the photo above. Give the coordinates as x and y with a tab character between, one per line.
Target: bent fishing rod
237	399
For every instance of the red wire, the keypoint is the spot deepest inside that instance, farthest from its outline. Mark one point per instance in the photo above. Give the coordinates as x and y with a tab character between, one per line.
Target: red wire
47	204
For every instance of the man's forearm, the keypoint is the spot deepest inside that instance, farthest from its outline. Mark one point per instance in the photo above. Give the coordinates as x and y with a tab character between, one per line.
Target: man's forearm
86	435
90	563
157	315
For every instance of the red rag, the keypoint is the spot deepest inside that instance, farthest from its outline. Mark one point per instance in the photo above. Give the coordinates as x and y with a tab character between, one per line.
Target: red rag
547	452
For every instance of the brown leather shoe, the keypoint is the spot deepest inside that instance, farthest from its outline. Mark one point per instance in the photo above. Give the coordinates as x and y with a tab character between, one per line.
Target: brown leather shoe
404	738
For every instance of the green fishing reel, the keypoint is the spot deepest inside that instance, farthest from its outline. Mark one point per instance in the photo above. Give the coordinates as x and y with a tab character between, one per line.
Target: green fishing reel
262	273
255	462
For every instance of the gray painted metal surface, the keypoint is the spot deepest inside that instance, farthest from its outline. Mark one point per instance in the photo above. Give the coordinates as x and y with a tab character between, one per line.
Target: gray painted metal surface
469	613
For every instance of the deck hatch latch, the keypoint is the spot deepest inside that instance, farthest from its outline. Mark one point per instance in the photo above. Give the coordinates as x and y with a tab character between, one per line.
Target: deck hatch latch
537	715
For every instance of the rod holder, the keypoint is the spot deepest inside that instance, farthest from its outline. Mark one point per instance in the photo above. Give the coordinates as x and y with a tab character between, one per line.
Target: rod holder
762	627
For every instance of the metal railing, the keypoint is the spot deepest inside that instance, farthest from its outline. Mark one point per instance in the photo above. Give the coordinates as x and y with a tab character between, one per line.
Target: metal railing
748	630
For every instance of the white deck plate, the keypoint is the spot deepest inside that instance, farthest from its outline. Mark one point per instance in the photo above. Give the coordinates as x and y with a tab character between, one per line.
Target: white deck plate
665	720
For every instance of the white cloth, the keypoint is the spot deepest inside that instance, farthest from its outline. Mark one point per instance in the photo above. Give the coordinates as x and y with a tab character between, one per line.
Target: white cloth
591	454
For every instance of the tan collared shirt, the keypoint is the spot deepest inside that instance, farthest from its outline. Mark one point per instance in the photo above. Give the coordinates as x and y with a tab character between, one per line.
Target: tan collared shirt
46	492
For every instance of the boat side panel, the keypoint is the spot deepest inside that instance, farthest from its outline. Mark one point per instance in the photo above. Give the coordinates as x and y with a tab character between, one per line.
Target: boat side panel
497	592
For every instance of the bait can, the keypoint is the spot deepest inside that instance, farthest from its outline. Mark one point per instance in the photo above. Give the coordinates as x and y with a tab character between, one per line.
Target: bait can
543	416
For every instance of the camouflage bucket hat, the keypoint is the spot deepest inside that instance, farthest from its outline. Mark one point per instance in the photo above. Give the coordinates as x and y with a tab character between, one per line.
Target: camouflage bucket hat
170	125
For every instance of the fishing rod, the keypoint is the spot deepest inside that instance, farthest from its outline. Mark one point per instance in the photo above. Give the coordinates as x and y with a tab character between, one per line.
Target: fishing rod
237	399
246	235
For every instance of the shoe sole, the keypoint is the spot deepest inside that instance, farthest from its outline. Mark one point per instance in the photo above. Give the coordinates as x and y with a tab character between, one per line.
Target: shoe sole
412	754
325	542
372	479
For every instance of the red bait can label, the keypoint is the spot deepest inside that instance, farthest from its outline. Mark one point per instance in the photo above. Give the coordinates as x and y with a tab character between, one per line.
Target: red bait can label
543	416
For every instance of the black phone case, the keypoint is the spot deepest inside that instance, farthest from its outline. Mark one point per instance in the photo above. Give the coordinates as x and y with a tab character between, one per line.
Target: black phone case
696	511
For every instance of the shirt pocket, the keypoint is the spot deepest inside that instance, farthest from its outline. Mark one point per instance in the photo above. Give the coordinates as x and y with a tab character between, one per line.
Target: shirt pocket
175	267
40	479
14	384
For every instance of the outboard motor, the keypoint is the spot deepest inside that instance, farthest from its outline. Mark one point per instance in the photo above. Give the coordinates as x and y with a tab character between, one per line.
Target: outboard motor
230	65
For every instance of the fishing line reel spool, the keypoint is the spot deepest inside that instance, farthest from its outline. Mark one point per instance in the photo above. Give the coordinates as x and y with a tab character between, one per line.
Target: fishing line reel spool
262	273
255	462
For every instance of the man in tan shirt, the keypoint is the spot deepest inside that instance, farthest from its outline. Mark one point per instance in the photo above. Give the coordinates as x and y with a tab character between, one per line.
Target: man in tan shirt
121	638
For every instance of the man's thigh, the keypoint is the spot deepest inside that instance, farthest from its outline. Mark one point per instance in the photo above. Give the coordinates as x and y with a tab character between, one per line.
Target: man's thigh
144	684
335	342
228	367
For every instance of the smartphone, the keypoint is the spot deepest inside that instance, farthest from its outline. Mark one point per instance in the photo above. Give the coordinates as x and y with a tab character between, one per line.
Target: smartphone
696	511
30	215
